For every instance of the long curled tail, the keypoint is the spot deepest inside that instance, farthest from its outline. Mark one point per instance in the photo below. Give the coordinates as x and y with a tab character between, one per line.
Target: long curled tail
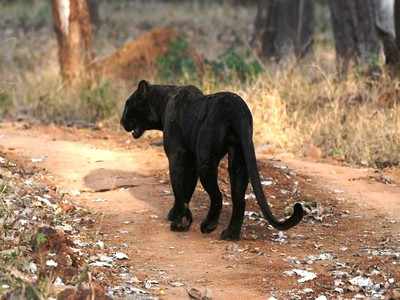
244	131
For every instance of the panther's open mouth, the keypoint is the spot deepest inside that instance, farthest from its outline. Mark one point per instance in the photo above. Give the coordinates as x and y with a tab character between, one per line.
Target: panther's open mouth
137	132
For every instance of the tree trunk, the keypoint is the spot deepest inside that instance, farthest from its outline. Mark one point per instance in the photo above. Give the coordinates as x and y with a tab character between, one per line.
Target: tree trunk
74	36
305	28
386	31
397	22
385	15
94	12
241	2
355	33
283	27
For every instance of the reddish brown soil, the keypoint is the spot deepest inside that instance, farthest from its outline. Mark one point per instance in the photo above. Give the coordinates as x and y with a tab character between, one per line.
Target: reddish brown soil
132	178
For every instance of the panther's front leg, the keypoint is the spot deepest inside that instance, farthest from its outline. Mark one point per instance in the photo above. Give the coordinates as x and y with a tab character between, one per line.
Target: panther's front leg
183	180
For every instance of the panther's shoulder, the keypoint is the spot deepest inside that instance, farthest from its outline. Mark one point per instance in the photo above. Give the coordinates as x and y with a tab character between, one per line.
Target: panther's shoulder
187	94
190	91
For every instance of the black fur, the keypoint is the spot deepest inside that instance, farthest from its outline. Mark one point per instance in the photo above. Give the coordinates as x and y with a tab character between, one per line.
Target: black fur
198	131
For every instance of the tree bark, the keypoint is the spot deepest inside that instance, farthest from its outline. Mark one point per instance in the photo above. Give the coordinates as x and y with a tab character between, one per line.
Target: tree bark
94	12
386	31
73	29
305	28
355	32
283	27
385	15
242	2
397	22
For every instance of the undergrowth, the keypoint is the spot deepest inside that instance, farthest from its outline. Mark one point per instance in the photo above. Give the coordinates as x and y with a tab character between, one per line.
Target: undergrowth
355	120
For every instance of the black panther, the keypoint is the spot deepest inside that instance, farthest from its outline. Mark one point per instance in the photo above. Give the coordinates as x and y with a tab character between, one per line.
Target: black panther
198	131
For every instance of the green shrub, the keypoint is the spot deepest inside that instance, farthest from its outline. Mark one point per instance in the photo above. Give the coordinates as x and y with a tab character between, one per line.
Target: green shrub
177	62
232	64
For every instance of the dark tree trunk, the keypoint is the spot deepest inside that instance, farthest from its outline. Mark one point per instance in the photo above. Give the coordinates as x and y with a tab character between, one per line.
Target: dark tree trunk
242	2
386	31
390	48
397	22
283	27
94	12
305	28
355	32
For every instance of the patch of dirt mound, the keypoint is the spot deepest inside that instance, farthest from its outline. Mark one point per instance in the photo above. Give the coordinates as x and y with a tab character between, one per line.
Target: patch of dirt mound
103	180
138	58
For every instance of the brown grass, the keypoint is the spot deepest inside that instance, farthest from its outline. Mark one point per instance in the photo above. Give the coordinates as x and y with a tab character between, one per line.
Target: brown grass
347	120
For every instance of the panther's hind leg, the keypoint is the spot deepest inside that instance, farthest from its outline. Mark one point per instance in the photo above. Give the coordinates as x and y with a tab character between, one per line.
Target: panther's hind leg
209	180
239	180
183	180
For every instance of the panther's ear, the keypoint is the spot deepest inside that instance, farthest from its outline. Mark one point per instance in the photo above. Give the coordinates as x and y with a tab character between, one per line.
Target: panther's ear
143	88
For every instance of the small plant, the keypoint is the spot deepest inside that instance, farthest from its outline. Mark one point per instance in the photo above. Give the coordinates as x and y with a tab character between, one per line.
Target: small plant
98	101
336	153
10	257
41	239
177	62
5	103
233	65
3	188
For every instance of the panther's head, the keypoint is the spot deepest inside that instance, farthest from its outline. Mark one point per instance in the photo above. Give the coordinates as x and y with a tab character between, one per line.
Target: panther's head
137	115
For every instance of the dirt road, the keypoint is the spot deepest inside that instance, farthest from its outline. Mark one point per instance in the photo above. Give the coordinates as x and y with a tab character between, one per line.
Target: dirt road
128	184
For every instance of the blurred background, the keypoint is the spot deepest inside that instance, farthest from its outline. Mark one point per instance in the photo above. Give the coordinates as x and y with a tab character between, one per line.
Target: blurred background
321	76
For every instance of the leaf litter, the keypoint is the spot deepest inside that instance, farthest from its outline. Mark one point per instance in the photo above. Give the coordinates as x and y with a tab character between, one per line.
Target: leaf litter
43	239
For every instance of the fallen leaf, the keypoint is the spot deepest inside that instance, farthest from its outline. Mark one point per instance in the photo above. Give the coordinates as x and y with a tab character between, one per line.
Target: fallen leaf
304	275
176	284
120	256
51	263
194	294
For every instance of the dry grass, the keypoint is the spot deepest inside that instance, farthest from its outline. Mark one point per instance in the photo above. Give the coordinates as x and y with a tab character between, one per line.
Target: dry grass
347	120
356	120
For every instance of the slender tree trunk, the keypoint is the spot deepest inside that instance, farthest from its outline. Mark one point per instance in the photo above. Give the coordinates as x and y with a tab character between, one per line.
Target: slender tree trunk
283	27
72	26
305	28
397	22
355	32
385	15
94	12
241	2
386	31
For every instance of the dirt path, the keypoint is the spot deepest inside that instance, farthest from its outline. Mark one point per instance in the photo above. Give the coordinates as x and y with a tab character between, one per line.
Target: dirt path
357	185
368	188
128	187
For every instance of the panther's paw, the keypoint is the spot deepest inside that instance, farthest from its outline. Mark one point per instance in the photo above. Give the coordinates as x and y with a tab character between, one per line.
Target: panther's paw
172	214
208	226
179	226
230	235
182	224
